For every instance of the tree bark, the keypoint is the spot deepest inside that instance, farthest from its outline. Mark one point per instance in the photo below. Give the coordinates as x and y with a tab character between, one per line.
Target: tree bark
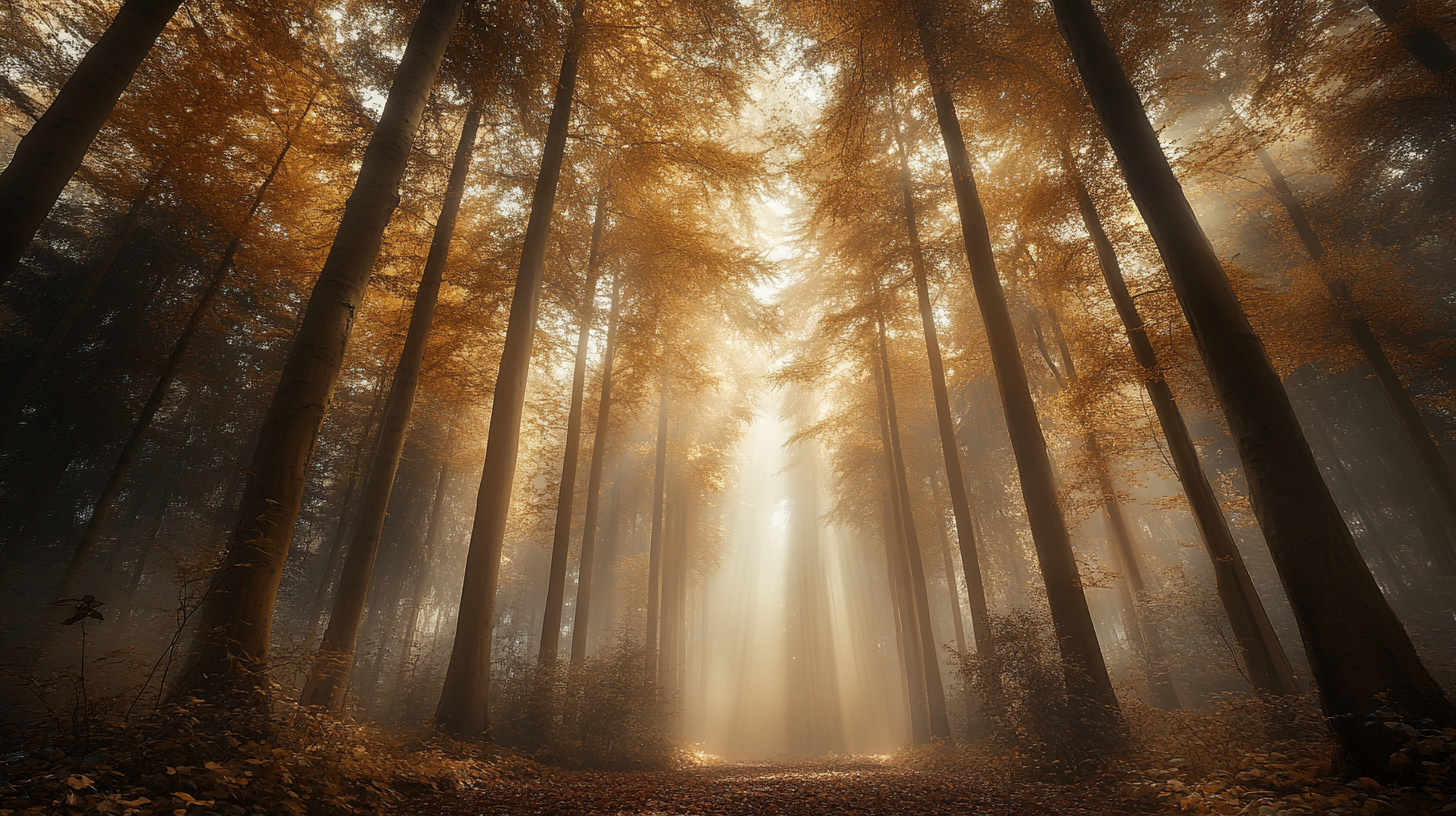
1087	681
581	624
58	334
1356	645
901	594
462	707
52	151
1265	662
950	576
330	673
566	496
950	447
236	620
1409	416
1423	42
934	688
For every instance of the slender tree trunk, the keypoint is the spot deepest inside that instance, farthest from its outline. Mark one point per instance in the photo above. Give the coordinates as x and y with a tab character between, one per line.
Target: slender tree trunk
1436	466
52	151
654	557
462	708
1266	664
670	594
41	501
604	574
950	576
582	623
901	593
934	689
1356	645
330	674
566	496
1087	681
38	366
109	492
950	447
1423	42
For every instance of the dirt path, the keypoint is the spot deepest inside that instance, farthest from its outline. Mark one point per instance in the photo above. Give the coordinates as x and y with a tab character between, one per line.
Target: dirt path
860	785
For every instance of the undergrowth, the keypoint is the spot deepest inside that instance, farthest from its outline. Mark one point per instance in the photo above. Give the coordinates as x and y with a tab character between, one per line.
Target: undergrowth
1237	753
203	759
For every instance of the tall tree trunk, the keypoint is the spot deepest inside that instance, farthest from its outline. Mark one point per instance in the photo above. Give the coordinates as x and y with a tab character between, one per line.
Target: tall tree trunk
101	511
52	151
1087	681
462	708
1423	42
1356	645
236	620
330	672
38	366
1265	662
901	592
671	594
566	496
654	556
1436	466
950	576
580	626
604	575
950	447
934	689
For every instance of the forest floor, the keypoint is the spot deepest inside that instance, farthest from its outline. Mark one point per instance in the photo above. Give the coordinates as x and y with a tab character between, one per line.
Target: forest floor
826	785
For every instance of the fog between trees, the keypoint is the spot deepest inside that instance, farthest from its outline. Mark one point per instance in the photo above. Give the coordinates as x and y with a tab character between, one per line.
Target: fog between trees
626	384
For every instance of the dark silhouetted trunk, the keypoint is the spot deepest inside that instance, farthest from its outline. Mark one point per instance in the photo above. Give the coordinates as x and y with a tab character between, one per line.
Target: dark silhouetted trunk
330	674
1423	42
566	496
37	368
52	151
1356	645
582	623
1087	681
901	593
1266	664
1436	467
934	688
236	620
950	576
462	708
950	447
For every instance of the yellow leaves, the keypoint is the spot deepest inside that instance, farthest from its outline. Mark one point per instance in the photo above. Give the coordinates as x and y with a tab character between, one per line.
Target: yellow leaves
79	781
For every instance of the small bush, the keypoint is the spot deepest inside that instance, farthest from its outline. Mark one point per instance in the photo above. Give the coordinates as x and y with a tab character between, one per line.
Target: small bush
606	713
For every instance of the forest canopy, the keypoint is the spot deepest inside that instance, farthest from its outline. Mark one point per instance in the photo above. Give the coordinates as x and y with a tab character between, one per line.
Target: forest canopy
446	403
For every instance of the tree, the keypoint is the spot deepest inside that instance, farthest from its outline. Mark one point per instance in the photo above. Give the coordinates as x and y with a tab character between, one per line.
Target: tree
1357	647
330	673
50	153
1086	677
236	619
462	702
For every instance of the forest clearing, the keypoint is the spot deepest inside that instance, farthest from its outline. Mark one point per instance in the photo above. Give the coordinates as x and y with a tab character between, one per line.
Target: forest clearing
727	406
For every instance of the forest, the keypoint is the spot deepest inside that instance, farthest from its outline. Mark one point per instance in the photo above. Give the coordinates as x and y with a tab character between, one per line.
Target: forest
727	406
